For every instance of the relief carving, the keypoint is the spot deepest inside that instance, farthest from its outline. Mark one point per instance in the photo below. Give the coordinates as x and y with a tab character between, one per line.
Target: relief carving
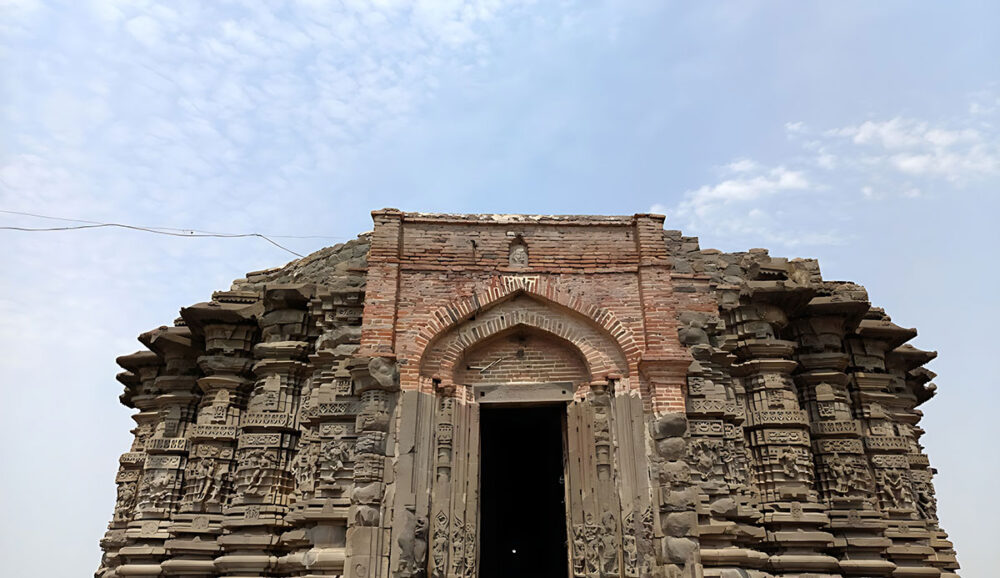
457	548
304	469
257	467
332	457
439	549
608	546
412	544
894	488
210	477
125	501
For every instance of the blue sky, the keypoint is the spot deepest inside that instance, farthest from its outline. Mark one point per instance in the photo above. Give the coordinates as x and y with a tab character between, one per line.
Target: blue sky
864	134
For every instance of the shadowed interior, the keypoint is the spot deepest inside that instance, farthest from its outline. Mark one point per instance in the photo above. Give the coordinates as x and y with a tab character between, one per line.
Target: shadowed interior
523	524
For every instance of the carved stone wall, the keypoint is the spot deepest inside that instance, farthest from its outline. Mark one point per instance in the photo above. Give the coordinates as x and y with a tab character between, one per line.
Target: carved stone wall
725	414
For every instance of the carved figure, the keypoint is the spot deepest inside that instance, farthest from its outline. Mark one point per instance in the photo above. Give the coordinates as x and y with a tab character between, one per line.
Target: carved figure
304	468
579	550
384	371
788	459
126	499
259	463
331	460
458	548
895	488
841	474
155	491
518	253
631	555
440	547
704	454
925	500
220	477
219	406
204	478
470	549
592	534
608	546
412	543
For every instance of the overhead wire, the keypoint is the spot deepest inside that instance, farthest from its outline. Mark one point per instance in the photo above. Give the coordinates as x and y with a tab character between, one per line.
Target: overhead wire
170	231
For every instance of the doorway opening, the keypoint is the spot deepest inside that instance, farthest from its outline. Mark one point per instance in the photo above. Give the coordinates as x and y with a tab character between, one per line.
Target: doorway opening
522	496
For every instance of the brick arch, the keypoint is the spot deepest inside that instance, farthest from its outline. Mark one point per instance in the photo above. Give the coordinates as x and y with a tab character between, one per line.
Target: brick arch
540	288
556	354
601	353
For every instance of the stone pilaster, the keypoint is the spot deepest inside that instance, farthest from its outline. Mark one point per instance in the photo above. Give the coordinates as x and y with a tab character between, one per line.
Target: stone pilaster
843	477
317	540
887	440
728	502
778	433
376	382
140	392
161	487
268	433
228	329
905	363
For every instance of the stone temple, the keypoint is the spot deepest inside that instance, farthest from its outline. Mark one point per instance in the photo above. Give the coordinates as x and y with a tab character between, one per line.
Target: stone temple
516	395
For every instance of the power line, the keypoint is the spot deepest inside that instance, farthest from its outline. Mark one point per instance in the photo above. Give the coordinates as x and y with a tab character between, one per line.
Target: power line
184	230
173	232
147	230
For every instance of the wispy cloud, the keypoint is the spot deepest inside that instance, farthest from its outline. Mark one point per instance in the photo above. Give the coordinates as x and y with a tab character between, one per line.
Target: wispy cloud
898	158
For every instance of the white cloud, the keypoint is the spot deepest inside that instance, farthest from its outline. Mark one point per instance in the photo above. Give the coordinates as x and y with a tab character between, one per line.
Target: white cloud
703	201
741	166
898	159
915	147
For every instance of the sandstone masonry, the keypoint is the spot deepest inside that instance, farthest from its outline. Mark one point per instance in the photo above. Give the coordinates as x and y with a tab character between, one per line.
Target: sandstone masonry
726	414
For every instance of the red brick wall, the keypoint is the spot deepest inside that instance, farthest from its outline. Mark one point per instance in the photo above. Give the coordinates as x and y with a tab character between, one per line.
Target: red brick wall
521	357
429	275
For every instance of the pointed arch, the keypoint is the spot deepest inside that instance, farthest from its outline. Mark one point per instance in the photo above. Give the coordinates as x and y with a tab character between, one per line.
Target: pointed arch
601	353
504	288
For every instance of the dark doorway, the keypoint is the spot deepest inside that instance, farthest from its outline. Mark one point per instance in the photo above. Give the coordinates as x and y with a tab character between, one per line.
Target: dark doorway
523	523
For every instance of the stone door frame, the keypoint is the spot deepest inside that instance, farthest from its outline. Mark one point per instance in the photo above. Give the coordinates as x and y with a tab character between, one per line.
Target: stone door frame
524	395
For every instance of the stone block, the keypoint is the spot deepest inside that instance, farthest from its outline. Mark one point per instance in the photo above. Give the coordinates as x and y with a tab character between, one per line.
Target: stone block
680	524
679	550
672	448
669	425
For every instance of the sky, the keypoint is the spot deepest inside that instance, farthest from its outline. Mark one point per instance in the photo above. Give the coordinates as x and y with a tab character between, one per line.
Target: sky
864	134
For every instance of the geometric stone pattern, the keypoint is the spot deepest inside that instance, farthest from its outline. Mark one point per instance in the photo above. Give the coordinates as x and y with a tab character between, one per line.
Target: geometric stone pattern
732	414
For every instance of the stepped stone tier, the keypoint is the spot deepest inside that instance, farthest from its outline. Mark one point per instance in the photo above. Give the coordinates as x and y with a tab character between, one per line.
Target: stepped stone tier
722	414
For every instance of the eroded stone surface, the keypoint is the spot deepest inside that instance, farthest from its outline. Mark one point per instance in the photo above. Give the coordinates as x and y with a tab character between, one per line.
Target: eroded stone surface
730	414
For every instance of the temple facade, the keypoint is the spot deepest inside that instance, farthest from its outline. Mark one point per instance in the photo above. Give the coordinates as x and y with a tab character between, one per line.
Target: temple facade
514	395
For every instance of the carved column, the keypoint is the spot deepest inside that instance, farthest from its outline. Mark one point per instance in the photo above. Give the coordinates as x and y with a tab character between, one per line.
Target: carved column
267	436
906	361
228	329
376	381
167	451
440	521
323	463
140	393
843	476
728	503
887	439
778	435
